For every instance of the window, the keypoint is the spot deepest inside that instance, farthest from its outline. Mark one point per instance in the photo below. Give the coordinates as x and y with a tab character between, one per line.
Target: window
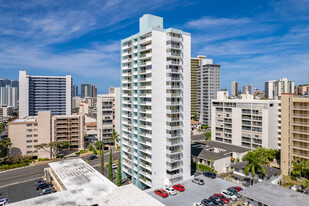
29	146
29	152
29	135
35	124
35	135
35	140
29	125
29	141
35	130
29	130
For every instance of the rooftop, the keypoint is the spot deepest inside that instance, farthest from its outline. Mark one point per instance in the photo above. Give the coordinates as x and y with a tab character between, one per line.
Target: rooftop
269	170
215	150
86	186
275	195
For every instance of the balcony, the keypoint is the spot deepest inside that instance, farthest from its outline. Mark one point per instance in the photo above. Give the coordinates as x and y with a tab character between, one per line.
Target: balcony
173	119
171	168
173	111
305	116
174	94
174	176
127	60
145	79
174	142
146	87
175	39
144	142
145	158
173	55
170	103
145	56
174	46
146	63
145	40
173	127
301	108
145	48
173	63
178	87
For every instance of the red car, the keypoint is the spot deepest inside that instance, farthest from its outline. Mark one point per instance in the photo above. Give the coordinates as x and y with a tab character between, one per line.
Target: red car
237	188
179	187
161	193
222	198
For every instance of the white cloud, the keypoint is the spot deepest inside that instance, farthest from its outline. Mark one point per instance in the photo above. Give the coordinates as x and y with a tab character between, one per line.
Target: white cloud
209	22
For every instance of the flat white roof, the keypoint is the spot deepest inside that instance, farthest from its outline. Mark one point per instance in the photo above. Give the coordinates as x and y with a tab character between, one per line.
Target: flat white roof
86	186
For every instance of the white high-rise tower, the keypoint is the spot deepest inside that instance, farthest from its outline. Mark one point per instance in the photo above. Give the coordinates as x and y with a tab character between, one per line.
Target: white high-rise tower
155	104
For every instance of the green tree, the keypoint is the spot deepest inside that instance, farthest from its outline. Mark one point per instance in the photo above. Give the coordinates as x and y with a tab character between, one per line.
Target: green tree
300	168
110	169
119	175
5	149
208	135
254	164
54	147
195	117
115	138
204	126
100	145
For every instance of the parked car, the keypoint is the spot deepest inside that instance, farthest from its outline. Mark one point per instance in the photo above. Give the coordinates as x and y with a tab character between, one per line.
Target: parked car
237	188
211	175
198	204
47	191
234	191
114	166
161	193
229	195
216	200
224	199
92	157
4	201
198	181
179	187
207	202
43	185
39	181
170	190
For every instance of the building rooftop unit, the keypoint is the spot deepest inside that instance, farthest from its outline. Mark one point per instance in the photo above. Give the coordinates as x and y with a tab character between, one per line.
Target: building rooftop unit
83	185
274	195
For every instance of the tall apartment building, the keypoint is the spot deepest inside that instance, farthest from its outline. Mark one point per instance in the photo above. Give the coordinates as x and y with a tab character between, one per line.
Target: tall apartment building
301	89
195	71
108	114
85	90
155	104
9	96
251	89
44	128
93	91
274	89
74	91
208	85
245	90
234	89
44	93
295	130
246	122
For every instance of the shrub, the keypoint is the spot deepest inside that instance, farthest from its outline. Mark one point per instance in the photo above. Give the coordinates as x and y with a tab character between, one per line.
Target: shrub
95	151
205	168
77	153
43	159
12	166
83	151
90	148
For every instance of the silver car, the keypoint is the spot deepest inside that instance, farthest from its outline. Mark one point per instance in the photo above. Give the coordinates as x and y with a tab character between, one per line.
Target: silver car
198	181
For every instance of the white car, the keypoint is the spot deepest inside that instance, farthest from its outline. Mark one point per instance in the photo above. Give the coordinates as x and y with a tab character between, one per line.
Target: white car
198	204
229	195
170	190
4	201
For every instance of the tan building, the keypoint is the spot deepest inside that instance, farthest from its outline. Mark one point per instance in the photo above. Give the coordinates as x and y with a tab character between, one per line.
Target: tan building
294	130
5	112
301	89
44	128
195	65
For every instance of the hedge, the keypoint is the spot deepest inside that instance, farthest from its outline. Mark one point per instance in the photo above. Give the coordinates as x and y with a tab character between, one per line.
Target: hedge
205	168
12	166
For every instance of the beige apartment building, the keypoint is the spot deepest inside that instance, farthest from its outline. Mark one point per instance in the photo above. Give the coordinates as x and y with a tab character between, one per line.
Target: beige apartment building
33	130
5	112
195	68
294	130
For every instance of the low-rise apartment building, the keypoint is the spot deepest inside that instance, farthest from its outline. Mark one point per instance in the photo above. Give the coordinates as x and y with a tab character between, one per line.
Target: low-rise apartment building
246	122
295	130
5	112
33	130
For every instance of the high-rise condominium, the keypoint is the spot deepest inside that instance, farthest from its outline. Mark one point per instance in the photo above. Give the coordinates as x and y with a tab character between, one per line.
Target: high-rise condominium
44	93
9	92
234	89
74	91
85	90
108	114
195	68
274	89
251	89
208	85
155	105
294	131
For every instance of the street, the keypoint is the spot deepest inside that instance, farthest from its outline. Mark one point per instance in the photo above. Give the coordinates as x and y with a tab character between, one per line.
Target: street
19	175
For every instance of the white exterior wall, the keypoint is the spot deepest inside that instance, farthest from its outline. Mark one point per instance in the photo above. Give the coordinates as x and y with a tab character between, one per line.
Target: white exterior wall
117	109
68	95
158	108
23	94
236	126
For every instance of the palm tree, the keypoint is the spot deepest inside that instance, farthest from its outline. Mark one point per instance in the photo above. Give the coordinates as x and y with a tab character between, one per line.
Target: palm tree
254	164
115	138
100	145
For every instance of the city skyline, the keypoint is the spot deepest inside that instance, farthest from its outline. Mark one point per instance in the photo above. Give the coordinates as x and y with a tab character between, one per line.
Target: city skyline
252	44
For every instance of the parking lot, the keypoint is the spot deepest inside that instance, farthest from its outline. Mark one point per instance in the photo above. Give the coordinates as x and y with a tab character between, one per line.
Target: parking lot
194	193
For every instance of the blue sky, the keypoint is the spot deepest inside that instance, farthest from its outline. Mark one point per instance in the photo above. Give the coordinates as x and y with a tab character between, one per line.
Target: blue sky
254	41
